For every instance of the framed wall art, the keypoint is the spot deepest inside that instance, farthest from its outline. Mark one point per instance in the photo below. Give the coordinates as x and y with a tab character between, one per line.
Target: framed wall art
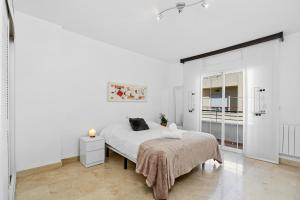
122	92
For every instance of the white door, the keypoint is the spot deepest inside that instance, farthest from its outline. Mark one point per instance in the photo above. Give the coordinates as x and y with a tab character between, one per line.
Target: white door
262	74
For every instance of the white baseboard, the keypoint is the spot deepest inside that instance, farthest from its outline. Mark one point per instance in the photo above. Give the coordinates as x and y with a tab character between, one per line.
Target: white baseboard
289	157
289	160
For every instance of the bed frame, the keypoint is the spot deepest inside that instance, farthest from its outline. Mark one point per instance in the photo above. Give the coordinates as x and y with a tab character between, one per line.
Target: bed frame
126	157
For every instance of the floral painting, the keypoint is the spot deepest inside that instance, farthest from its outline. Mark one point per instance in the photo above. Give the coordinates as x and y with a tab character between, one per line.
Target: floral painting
126	92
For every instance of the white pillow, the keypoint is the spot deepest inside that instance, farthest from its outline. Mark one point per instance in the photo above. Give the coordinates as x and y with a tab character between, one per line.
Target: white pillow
153	125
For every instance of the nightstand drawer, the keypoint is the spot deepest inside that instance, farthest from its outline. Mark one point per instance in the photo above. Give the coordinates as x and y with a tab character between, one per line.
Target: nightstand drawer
93	145
94	156
92	151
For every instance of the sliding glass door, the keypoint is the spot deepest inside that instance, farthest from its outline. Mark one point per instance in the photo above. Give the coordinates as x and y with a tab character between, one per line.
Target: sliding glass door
211	117
233	120
222	108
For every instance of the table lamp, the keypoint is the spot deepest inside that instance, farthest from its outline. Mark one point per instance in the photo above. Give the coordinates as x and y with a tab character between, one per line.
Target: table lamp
92	132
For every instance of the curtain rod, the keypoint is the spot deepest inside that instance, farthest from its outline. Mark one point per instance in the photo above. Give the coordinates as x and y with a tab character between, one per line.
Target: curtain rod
235	47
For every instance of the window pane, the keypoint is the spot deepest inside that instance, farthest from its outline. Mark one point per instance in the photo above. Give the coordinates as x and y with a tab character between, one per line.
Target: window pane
212	106
234	110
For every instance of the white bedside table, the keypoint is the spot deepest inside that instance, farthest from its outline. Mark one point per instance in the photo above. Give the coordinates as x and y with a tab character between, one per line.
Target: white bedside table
92	150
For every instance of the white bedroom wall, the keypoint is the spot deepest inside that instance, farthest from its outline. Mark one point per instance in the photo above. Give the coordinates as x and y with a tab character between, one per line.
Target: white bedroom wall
37	125
88	65
174	78
61	81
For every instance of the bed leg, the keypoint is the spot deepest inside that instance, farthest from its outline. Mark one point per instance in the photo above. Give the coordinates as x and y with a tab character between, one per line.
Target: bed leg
125	163
107	152
203	165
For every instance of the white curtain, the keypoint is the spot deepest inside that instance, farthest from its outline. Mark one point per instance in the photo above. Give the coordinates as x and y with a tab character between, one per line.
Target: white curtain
4	171
7	164
262	71
178	99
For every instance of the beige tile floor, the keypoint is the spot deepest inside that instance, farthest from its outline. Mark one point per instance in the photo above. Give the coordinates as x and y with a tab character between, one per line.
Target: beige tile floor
237	178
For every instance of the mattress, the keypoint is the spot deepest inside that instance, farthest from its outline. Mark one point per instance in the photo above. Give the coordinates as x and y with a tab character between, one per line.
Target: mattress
121	137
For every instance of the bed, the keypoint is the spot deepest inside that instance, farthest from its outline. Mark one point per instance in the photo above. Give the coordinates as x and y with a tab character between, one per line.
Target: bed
120	138
159	158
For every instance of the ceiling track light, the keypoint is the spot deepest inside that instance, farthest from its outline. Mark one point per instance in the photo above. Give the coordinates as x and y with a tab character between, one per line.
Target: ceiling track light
180	6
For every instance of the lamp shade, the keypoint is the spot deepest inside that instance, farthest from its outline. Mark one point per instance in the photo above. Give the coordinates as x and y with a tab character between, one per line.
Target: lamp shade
92	132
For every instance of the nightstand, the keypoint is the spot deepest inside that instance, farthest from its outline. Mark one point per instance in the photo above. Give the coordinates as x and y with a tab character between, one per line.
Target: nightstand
92	151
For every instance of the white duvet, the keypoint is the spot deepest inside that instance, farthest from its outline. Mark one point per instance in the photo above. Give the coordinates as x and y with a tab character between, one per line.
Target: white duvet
121	137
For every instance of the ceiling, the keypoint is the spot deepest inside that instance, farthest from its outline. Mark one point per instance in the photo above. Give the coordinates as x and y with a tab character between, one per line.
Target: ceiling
133	25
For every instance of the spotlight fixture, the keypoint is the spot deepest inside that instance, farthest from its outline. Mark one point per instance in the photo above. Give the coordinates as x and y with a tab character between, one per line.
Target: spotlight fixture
204	4
180	6
159	17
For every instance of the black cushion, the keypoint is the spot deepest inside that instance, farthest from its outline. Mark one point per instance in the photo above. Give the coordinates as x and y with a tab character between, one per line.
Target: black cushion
138	124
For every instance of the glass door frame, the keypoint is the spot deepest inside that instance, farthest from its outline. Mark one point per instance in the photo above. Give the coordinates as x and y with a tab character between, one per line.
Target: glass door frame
223	73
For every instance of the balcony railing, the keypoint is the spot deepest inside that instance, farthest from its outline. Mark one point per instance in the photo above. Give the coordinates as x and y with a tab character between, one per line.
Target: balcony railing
233	121
215	115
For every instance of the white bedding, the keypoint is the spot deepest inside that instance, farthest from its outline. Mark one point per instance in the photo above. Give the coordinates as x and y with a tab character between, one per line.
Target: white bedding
121	137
